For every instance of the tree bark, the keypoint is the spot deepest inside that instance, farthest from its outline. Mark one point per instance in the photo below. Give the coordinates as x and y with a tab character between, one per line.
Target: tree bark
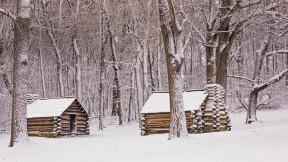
209	57
174	59
20	72
41	65
138	79
151	60
77	53
78	68
158	66
117	97
103	17
145	67
131	97
287	68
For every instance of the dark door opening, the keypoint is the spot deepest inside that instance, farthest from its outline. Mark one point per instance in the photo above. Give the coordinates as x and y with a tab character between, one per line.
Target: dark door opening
73	124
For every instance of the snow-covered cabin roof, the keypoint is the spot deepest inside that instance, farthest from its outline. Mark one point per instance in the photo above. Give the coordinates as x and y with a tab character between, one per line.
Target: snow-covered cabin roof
48	107
159	102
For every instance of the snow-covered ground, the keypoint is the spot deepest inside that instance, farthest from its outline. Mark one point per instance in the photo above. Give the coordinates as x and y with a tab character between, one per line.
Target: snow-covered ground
266	141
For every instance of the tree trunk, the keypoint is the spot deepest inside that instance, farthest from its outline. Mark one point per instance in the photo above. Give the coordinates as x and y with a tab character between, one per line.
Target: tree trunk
209	59
151	60
20	73
221	70
139	102
117	97
158	67
174	59
78	68
131	97
145	68
59	62
251	113
253	96
287	68
41	66
138	79
103	16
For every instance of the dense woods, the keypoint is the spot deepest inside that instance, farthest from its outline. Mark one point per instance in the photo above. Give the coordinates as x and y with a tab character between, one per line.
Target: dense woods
112	54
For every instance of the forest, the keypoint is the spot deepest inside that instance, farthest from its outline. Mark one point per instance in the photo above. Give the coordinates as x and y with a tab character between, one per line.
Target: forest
113	54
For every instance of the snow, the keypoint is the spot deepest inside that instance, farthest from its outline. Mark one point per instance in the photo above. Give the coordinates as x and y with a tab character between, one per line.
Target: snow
265	141
48	107
159	102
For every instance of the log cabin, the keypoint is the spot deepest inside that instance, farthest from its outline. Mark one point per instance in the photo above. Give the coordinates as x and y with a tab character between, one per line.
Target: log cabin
56	117
205	111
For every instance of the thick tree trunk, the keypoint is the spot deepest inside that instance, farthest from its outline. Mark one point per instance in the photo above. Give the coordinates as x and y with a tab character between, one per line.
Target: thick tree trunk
251	113
222	69
178	121
174	59
20	73
209	58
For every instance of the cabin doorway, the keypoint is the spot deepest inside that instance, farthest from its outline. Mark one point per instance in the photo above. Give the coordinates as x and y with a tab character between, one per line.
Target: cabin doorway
73	124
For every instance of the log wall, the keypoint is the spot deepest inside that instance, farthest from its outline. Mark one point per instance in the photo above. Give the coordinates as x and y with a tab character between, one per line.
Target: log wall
212	116
43	127
81	119
157	123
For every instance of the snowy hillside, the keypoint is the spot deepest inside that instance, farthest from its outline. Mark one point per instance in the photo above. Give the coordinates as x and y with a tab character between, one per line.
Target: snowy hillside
265	141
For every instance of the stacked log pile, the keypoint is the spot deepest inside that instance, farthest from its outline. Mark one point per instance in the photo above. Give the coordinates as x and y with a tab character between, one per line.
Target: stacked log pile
212	116
216	108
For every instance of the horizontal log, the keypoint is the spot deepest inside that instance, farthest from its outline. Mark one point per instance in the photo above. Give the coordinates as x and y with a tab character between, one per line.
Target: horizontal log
73	113
41	126
79	117
40	130
41	118
41	122
74	110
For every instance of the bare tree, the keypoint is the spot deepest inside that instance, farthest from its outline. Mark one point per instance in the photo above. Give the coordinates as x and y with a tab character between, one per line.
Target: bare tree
257	86
22	23
172	35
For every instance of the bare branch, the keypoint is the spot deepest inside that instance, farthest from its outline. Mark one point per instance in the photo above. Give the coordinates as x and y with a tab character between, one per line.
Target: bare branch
242	77
271	81
241	101
8	14
272	100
